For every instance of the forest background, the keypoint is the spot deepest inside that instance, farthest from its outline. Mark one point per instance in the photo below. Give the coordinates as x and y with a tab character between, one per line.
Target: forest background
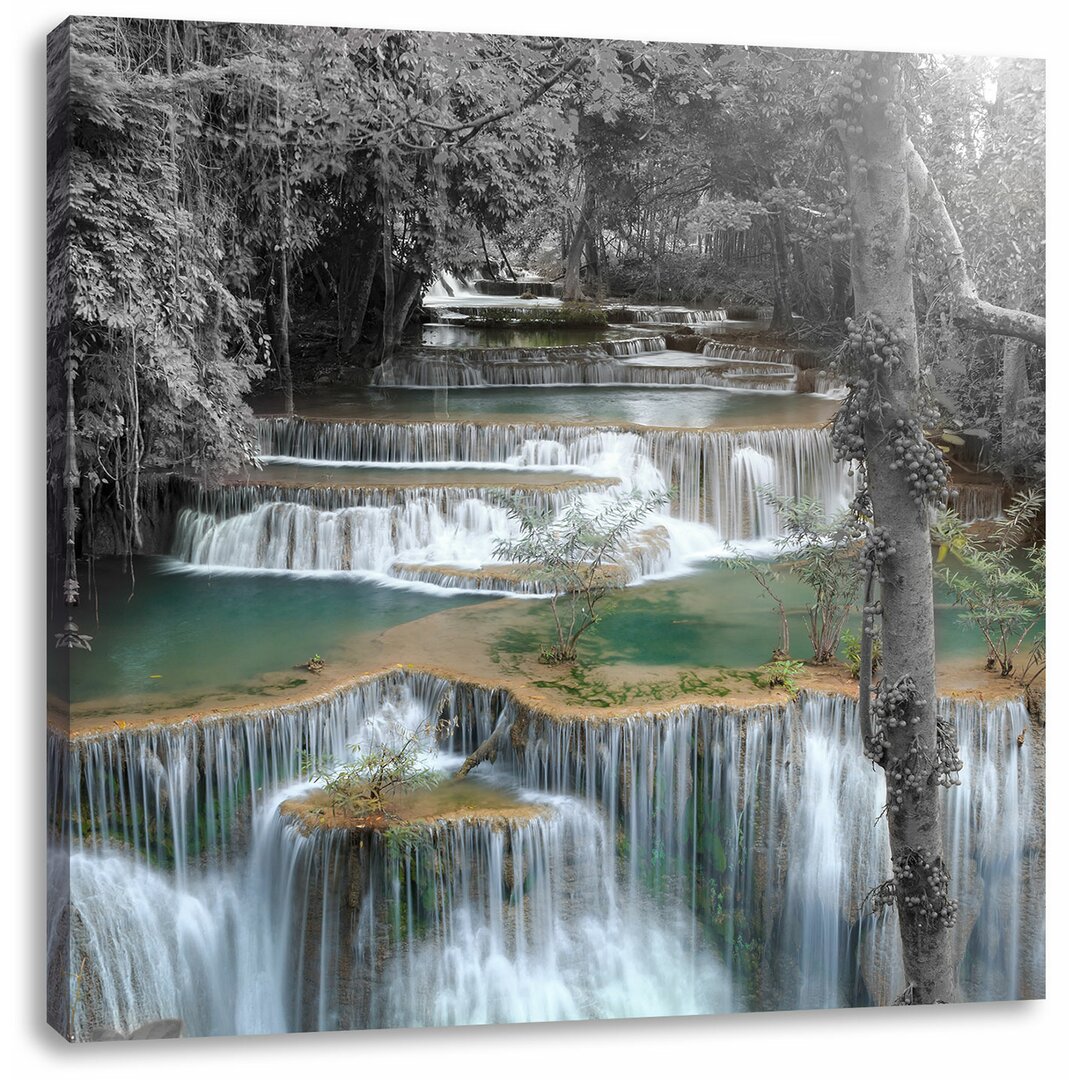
989	1040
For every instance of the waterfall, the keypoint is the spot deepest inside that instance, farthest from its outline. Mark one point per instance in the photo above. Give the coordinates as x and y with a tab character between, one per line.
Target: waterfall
435	371
227	500
714	484
296	537
785	845
635	346
647	861
445	536
977	502
568	947
776	361
830	384
476	920
172	795
445	287
676	315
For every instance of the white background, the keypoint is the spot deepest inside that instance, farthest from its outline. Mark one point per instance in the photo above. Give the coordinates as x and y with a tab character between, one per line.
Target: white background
1015	1040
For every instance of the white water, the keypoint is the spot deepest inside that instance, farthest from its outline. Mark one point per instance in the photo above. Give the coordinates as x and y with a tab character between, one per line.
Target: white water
414	534
749	843
702	465
635	362
788	843
676	315
499	921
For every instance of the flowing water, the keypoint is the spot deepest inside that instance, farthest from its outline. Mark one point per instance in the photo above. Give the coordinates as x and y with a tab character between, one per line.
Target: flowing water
698	861
701	860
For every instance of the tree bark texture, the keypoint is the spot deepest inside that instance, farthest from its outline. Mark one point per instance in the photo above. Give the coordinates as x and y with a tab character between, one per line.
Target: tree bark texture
572	288
782	314
882	281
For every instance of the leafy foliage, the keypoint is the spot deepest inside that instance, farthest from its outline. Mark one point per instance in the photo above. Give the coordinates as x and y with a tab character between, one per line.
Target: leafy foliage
781	673
822	552
1004	596
362	786
852	653
575	553
218	191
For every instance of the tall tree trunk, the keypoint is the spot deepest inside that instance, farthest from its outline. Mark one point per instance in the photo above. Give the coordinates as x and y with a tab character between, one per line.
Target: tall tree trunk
407	300
506	262
492	276
881	275
1014	388
781	318
572	288
281	329
841	287
358	267
281	345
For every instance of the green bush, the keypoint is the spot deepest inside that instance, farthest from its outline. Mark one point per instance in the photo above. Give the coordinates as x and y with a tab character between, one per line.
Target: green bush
782	673
852	650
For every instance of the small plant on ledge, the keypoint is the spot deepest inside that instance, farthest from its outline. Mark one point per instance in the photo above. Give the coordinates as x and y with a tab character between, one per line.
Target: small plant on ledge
360	788
575	553
316	664
781	673
852	647
1001	583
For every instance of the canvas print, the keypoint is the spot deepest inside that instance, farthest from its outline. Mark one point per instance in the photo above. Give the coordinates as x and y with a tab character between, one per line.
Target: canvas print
540	528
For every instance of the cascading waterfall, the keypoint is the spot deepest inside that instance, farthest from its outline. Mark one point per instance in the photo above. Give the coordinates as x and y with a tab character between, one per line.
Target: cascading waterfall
677	315
276	927
528	924
653	858
440	536
977	502
429	534
445	287
714	484
603	363
777	361
363	539
635	346
435	372
754	832
763	821
180	789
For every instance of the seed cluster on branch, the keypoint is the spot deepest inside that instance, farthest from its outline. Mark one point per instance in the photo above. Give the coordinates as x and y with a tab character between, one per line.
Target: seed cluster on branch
871	352
921	884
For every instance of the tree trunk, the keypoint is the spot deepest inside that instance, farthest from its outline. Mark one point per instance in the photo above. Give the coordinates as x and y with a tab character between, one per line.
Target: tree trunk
782	318
506	262
281	325
572	288
358	267
968	309
881	275
1014	388
407	299
841	288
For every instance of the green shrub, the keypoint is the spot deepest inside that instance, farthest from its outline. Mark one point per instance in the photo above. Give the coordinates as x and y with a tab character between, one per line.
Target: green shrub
852	649
782	673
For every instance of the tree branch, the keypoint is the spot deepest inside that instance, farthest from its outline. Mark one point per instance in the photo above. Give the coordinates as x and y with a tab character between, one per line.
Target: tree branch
530	99
487	750
968	309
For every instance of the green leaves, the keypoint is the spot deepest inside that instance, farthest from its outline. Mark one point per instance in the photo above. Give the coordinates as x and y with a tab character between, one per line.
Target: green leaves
576	553
1000	583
